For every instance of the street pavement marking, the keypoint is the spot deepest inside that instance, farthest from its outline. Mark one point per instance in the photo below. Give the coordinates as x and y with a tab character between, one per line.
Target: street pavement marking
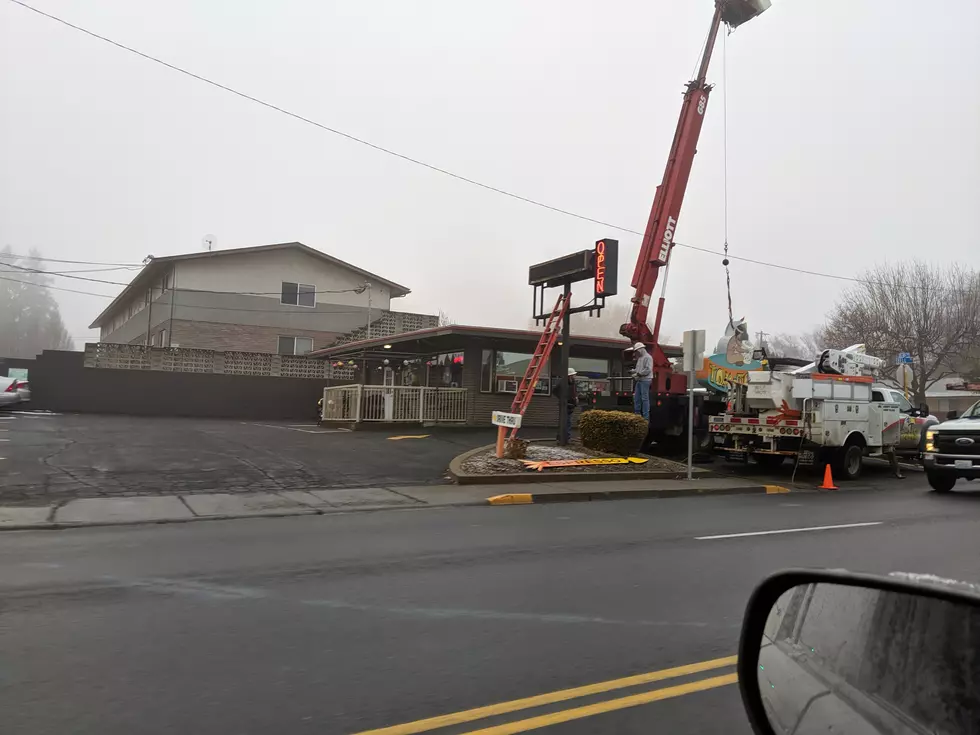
787	530
408	436
562	695
293	428
610	705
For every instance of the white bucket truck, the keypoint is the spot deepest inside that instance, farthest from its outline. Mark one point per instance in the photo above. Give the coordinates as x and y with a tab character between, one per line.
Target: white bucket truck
820	412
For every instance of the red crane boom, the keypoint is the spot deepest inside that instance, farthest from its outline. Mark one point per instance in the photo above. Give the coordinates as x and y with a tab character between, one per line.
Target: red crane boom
658	238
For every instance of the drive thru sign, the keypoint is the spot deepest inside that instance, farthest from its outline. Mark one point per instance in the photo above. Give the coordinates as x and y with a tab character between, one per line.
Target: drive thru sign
509	420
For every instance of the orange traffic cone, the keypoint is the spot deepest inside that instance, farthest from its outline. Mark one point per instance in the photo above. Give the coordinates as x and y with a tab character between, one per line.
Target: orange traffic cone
828	480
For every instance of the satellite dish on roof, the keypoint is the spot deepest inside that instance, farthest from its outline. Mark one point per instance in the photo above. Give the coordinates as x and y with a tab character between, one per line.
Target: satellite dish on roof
208	242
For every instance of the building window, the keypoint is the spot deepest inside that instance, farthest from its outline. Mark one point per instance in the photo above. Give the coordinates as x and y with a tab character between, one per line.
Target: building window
593	375
163	337
298	294
486	372
295	345
445	371
501	372
165	283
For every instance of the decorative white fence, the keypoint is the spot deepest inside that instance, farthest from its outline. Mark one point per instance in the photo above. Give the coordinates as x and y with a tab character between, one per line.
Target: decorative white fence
394	403
189	360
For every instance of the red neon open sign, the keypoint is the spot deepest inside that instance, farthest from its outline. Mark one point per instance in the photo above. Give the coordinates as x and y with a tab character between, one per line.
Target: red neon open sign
606	267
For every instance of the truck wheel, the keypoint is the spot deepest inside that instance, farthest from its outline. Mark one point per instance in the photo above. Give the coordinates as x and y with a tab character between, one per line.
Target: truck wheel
770	461
940	481
848	462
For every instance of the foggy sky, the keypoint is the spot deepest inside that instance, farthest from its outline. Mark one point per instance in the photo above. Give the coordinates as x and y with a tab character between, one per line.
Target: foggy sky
852	126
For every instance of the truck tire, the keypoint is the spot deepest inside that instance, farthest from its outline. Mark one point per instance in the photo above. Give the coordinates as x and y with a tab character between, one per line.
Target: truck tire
940	481
848	462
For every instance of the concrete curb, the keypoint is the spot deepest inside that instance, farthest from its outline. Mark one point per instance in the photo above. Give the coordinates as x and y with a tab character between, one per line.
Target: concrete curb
587	496
465	478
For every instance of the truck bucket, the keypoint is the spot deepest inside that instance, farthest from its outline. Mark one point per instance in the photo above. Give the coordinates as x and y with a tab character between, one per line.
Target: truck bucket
736	12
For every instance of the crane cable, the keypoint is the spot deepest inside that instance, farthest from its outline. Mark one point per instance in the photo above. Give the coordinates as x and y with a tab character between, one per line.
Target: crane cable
724	103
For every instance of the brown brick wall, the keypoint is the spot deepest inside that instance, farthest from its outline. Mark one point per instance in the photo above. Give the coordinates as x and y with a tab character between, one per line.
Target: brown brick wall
246	338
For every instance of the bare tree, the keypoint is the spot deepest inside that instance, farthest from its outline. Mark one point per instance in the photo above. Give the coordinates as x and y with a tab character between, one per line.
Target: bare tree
29	318
932	313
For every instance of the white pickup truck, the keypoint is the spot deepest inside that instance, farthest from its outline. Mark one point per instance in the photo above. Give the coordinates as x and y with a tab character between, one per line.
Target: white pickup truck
952	450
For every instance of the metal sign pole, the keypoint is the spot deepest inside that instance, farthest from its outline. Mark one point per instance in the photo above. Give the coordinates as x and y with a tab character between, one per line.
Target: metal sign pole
690	424
693	355
564	420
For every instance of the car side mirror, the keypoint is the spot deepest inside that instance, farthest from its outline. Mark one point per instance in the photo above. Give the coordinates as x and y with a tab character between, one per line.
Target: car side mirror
950	415
923	409
836	652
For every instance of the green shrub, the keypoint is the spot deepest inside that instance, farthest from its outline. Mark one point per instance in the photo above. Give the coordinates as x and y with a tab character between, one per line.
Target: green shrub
616	432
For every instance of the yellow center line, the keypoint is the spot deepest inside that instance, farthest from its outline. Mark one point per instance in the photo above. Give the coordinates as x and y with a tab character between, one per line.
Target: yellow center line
561	695
611	705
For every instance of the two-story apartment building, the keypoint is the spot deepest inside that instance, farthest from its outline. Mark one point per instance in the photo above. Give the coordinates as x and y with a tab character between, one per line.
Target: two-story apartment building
287	298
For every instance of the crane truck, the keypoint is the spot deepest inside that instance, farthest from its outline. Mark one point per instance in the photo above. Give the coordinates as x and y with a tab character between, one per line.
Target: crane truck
668	399
829	411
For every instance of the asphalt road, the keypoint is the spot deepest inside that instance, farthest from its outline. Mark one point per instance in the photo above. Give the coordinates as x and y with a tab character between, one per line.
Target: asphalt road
341	624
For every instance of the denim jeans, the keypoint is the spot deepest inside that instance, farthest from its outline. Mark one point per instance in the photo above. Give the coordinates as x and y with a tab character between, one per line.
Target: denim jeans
641	398
568	424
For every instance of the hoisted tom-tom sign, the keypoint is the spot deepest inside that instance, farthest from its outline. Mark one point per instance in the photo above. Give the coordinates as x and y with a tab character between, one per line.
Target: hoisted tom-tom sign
545	464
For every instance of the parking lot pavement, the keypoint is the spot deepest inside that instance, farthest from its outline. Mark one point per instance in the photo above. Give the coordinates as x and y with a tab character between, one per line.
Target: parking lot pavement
52	458
49	458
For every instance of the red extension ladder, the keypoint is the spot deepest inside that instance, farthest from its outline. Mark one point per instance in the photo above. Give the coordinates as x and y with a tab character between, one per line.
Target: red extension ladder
539	359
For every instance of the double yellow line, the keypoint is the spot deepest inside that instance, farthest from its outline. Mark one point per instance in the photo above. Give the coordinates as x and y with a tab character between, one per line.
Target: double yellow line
575	713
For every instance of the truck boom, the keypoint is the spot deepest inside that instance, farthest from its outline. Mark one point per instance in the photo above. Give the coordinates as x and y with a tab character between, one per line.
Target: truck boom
658	237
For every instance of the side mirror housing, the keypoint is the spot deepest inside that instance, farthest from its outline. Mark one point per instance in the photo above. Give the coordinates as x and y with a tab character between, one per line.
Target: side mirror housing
837	652
923	409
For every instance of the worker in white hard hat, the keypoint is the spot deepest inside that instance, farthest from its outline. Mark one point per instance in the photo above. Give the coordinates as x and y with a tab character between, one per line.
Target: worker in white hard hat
642	377
570	397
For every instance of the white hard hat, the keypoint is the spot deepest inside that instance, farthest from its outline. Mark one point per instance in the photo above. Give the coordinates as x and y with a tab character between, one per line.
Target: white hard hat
571	372
639	346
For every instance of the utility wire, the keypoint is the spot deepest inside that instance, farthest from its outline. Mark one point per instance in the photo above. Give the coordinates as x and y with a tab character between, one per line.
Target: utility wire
416	161
359	289
309	311
6	267
15	256
724	105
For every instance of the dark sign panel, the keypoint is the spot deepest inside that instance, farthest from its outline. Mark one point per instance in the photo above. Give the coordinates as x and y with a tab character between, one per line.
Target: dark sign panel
574	267
606	267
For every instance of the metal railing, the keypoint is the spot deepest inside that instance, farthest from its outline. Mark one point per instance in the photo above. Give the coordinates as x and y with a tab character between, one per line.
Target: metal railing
394	404
341	403
444	405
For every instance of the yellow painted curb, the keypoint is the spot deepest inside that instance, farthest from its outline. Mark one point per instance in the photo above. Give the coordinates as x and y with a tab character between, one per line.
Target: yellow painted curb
511	499
776	489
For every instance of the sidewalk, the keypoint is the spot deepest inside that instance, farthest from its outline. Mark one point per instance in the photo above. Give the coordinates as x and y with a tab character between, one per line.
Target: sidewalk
219	506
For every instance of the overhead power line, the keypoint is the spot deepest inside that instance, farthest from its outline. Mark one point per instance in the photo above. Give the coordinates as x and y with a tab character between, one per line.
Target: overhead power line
410	159
39	271
306	311
15	256
424	164
7	268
